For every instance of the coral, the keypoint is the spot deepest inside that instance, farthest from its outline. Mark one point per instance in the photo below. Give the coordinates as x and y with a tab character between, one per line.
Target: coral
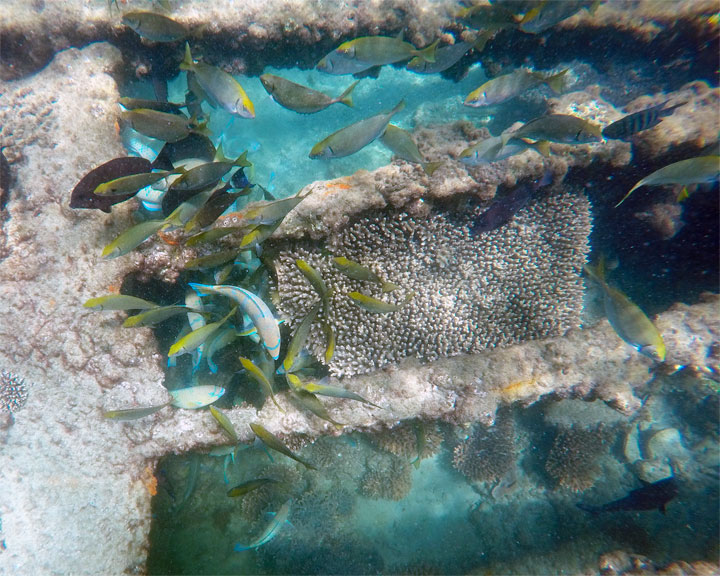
322	511
13	392
387	478
572	461
403	439
466	289
488	453
271	496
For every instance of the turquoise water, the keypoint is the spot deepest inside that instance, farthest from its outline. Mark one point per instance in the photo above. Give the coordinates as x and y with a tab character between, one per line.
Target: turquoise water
550	487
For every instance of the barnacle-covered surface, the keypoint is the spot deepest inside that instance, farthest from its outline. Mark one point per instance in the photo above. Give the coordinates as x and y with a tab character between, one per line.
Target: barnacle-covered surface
517	283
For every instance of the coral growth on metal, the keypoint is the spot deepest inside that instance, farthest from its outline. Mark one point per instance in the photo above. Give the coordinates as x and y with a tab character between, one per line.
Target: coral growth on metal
517	283
13	391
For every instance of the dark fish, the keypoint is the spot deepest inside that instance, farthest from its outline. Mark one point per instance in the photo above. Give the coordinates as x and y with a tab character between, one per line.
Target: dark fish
159	105
83	196
638	121
5	180
649	497
194	146
501	211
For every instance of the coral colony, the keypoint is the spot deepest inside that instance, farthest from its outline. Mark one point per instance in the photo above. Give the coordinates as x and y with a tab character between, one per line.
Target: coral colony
13	391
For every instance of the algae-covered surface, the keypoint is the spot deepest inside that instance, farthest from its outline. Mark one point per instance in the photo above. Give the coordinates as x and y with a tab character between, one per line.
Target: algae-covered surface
394	320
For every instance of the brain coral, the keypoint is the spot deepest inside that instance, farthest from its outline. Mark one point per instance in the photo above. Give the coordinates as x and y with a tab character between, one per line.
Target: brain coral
572	461
488	453
516	283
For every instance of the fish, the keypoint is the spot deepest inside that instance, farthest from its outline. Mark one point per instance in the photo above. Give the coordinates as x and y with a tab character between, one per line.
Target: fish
119	302
337	64
488	17
225	424
401	143
627	319
270	212
213	234
354	137
501	211
258	235
314	277
309	401
131	238
549	12
133	413
193	146
379	50
196	319
302	99
330	337
192	340
249	486
299	337
221	89
649	497
131	185
325	390
508	86
638	121
562	128
213	260
270	531
220	201
163	126
696	170
159	105
186	209
357	271
377	306
497	148
274	443
445	57
254	307
195	397
154	27
83	195
219	340
156	315
208	174
259	377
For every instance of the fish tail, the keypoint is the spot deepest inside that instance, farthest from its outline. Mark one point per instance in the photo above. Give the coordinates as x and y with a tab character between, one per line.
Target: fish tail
596	272
641	183
428	54
242	160
187	63
430	167
482	39
556	82
346	97
201	289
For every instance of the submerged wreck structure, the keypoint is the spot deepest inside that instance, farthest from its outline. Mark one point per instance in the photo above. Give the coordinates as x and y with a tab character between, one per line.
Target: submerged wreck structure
482	322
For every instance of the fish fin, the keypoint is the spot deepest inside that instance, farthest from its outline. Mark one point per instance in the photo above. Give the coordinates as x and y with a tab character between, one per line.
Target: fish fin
683	195
482	39
428	53
201	289
388	287
372	72
188	62
430	167
556	82
398	107
346	97
242	160
638	185
542	147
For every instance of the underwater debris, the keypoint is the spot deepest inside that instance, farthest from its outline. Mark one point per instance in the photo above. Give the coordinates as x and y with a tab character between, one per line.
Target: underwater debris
488	453
13	391
387	478
465	287
572	461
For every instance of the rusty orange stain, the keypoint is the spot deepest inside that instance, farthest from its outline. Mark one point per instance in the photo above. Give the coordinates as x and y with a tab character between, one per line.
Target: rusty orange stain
518	388
149	480
341	185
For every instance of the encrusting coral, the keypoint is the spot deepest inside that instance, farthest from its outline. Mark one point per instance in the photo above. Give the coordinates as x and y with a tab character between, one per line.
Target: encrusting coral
488	453
458	292
572	461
